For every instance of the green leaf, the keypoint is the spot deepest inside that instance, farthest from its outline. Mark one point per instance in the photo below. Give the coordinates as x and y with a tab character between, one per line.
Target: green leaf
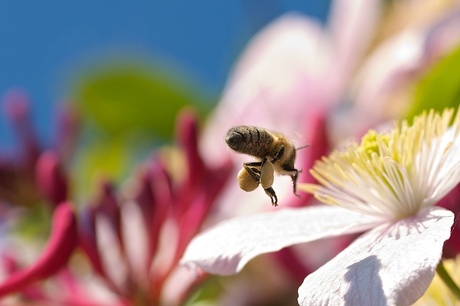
124	100
34	223
440	87
96	163
207	294
126	108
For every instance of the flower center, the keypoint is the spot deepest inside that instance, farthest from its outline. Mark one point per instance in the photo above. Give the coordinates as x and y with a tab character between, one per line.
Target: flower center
391	175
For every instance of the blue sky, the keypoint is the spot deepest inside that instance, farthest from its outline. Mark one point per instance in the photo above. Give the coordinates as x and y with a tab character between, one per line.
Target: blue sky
44	44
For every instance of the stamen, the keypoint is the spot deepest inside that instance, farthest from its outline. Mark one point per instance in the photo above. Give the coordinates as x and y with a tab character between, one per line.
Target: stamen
392	174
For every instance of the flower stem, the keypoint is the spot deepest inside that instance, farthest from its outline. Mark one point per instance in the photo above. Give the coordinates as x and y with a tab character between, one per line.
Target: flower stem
444	275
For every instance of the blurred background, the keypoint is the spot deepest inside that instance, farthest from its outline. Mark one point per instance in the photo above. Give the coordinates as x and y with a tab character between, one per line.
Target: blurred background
110	60
48	49
92	128
77	81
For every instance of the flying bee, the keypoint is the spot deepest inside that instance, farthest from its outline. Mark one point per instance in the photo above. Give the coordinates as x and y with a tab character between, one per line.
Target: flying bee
275	153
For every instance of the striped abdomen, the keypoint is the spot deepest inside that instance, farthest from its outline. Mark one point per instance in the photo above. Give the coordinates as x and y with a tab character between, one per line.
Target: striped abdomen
250	140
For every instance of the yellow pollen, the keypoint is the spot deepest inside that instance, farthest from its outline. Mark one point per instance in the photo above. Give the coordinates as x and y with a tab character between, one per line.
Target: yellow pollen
370	142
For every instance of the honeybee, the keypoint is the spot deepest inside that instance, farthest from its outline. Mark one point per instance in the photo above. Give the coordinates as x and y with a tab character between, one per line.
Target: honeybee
275	153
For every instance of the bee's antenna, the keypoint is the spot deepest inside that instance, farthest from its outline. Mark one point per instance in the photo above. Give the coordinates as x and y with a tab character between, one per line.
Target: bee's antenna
302	147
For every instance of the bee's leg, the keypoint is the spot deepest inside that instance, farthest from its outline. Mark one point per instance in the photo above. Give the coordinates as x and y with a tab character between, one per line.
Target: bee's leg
271	193
253	169
254	164
294	174
294	177
278	155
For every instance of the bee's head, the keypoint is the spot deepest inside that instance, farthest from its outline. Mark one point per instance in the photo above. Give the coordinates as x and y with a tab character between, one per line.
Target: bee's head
234	139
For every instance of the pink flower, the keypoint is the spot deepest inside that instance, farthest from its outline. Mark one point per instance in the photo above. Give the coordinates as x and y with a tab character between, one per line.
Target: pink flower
31	177
62	241
135	238
293	67
288	79
31	174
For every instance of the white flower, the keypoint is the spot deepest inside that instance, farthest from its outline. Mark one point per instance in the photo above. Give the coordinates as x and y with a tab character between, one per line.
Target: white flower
385	187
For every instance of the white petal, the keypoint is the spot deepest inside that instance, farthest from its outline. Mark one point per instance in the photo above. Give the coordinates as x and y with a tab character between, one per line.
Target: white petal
110	252
136	240
448	175
391	265
226	248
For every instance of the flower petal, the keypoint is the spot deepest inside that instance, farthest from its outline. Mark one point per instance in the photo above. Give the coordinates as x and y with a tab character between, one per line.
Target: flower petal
57	252
135	236
293	47
391	265
388	71
352	24
226	248
51	178
448	175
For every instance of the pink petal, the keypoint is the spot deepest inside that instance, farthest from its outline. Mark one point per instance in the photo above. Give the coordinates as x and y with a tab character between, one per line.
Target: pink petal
111	253
392	264
316	132
50	177
60	246
155	198
273	83
226	248
352	25
396	63
187	135
136	238
87	238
